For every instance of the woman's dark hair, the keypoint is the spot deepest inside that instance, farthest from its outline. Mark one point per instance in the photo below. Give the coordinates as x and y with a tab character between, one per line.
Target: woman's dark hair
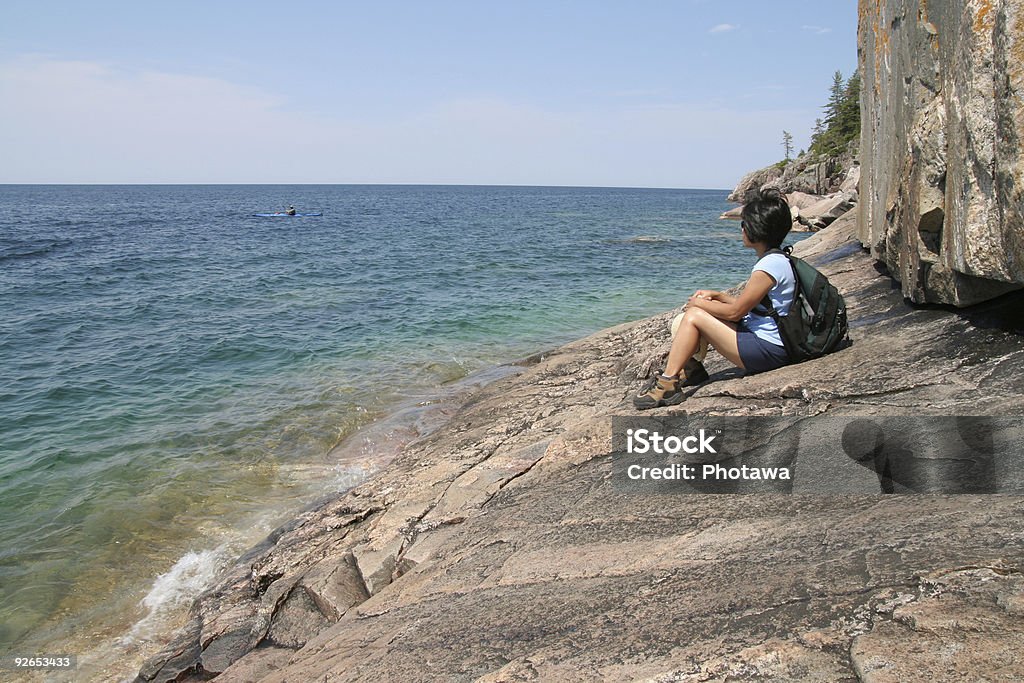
767	218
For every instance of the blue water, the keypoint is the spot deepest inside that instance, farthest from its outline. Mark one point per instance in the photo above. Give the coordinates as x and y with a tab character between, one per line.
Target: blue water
172	365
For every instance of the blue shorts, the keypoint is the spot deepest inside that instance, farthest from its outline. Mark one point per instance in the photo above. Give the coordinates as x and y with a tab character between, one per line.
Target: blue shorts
757	354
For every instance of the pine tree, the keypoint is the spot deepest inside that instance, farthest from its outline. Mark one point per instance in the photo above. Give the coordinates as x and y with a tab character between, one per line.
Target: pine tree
842	117
848	120
819	130
787	144
835	99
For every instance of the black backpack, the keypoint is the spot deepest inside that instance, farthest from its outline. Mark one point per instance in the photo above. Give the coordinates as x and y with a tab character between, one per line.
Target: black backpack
816	322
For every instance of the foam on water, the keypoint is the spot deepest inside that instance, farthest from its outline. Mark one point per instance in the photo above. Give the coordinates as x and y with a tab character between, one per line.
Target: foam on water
189	577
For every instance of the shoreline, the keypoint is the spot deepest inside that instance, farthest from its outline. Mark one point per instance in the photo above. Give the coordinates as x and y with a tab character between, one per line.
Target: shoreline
391	550
356	459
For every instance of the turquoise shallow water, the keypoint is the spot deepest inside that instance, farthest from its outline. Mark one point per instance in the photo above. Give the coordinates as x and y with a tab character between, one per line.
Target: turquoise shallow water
175	368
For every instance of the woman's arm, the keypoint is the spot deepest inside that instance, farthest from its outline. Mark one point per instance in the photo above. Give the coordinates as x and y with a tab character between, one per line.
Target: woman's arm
759	284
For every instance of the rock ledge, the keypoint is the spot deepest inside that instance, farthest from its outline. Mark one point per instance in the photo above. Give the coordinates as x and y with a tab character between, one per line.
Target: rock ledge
496	548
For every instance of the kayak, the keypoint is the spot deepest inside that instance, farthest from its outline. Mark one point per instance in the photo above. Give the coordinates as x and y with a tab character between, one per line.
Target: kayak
290	215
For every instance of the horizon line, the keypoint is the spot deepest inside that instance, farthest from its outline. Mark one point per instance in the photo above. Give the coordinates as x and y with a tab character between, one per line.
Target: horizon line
581	187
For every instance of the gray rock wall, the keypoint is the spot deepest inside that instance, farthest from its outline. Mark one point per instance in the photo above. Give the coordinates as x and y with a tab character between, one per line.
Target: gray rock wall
942	122
753	181
808	174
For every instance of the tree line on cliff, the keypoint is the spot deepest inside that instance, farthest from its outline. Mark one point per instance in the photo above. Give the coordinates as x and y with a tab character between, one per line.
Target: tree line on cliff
832	136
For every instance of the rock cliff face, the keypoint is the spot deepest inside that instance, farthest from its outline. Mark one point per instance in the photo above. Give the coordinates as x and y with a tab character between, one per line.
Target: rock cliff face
941	127
805	174
499	549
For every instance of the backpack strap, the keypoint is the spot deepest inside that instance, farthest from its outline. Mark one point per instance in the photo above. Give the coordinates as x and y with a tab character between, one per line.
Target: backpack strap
766	302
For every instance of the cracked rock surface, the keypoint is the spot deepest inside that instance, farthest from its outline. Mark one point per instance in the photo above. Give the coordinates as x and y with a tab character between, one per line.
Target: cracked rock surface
497	548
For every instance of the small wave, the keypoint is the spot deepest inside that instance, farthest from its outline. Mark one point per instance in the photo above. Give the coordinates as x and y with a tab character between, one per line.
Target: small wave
187	578
644	239
190	576
11	250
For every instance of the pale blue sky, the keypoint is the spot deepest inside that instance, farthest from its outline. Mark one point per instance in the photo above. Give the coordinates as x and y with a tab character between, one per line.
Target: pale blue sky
684	93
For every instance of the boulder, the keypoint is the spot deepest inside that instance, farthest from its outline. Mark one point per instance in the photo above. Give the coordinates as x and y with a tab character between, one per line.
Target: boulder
810	179
851	183
732	214
822	213
802	200
753	181
797	201
806	174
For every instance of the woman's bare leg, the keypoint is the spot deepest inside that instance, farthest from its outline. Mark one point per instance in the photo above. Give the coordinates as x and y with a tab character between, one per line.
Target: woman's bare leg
696	325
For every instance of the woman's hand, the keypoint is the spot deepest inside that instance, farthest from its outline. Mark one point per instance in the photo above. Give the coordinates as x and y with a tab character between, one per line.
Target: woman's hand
718	304
700	299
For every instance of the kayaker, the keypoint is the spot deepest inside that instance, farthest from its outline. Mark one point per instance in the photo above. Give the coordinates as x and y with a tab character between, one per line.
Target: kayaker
290	211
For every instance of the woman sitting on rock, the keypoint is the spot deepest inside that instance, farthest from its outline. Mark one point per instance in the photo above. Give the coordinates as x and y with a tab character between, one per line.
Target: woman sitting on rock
747	337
